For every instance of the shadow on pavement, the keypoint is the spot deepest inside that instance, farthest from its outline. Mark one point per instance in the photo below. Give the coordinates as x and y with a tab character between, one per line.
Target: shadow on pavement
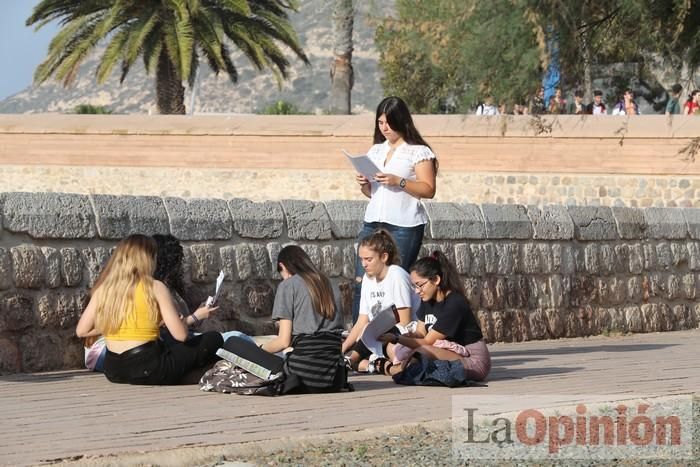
583	349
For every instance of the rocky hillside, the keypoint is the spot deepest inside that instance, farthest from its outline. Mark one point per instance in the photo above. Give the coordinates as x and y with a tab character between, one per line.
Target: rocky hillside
307	87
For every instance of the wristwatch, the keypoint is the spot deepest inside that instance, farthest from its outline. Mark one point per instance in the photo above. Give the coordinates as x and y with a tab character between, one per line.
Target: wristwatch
402	183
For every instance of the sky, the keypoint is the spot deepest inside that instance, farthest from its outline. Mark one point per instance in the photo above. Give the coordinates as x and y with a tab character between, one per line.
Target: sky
21	48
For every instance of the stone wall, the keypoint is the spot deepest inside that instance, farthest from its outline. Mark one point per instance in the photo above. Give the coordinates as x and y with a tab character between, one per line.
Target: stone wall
530	272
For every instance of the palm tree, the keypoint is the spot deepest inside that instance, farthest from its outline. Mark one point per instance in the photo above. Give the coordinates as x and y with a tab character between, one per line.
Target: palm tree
170	36
342	75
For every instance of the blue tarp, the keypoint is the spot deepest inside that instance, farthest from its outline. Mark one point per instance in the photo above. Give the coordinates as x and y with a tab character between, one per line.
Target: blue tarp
552	75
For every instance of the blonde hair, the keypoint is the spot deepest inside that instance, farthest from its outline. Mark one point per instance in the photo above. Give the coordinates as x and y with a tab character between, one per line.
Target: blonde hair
131	264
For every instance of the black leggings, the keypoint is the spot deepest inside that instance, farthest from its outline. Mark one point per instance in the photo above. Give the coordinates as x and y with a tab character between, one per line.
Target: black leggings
156	363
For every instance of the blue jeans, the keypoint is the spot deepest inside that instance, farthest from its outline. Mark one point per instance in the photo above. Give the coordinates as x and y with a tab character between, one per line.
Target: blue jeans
408	240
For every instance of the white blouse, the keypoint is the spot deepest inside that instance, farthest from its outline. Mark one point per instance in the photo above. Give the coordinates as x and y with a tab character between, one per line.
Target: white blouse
391	204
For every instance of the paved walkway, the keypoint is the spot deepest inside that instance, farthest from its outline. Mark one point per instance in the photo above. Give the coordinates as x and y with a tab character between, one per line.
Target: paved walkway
71	414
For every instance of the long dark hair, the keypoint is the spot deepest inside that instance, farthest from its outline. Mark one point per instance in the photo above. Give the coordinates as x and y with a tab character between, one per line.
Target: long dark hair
437	264
399	119
169	263
296	261
382	242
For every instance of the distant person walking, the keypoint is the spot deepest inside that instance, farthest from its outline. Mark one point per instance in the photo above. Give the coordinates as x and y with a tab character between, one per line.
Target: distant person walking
597	107
692	105
627	105
487	107
408	170
673	107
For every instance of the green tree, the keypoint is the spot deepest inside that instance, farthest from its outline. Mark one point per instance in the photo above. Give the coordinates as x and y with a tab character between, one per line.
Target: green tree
170	36
466	48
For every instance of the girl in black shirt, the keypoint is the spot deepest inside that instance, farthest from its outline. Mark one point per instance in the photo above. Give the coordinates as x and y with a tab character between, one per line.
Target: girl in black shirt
447	328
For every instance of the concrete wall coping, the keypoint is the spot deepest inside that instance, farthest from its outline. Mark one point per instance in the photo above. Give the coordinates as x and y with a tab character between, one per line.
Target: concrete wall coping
109	217
557	126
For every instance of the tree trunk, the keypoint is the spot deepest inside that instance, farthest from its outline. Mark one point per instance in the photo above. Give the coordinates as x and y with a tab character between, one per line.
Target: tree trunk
585	49
170	94
341	69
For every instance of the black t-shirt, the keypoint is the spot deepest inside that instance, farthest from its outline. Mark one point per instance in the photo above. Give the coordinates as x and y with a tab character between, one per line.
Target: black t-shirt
451	317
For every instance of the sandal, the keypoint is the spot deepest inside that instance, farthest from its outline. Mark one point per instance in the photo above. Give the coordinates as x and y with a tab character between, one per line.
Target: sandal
382	365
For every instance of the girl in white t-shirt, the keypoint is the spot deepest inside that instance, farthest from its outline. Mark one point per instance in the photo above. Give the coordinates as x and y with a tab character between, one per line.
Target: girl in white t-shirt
408	170
384	284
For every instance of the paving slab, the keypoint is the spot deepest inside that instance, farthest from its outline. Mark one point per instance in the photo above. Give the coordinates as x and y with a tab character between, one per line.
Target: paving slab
51	417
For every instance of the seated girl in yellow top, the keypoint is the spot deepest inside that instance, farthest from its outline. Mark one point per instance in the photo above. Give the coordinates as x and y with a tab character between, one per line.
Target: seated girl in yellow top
127	306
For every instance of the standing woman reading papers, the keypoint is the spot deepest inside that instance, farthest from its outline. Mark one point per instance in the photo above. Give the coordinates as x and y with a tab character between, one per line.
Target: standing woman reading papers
127	306
447	328
408	169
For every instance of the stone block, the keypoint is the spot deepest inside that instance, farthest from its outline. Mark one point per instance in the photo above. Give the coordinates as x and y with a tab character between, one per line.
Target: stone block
618	320
679	254
49	215
634	319
563	259
546	258
59	310
252	261
485	323
16	312
630	222
199	219
674	287
506	221
689	286
590	255
682	318
94	260
490	258
205	262
506	257
538	324
606	259
118	217
651	260
332	260
346	217
227	256
584	290
10	357
663	256
314	252
257	220
29	266
692	219
517	292
349	258
530	260
462	258
71	267
636	259
622	258
53	266
551	222
635	293
41	351
472	291
555	323
667	223
455	221
259	298
6	274
306	220
693	255
478	265
593	223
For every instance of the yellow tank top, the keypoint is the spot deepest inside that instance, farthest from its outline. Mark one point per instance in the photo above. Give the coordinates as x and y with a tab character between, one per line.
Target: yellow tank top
137	326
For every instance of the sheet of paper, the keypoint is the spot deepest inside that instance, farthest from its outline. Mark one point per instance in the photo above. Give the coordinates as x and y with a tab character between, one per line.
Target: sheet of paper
363	165
211	301
380	324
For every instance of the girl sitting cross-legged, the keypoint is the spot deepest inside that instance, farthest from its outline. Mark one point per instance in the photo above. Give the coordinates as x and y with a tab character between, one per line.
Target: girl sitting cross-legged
384	283
447	328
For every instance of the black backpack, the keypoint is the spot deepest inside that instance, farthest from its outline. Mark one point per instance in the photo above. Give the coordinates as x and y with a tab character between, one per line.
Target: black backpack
316	364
